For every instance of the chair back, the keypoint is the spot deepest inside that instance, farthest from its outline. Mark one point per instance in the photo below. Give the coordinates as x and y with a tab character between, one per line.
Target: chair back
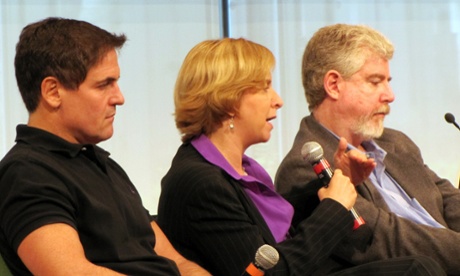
4	270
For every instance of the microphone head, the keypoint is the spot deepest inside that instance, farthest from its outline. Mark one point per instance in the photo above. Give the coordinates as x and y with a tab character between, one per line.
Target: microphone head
312	152
449	118
266	257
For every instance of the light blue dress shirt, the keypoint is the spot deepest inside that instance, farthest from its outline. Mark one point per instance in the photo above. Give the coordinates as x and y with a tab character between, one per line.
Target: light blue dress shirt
396	198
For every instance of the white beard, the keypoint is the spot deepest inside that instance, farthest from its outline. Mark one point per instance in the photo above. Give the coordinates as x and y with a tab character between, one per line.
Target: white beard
367	128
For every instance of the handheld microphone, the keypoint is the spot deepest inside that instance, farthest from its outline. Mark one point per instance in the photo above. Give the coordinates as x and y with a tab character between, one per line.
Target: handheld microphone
313	153
451	120
266	257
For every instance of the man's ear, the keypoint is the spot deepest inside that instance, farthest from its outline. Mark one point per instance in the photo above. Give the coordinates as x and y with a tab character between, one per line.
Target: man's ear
50	92
331	83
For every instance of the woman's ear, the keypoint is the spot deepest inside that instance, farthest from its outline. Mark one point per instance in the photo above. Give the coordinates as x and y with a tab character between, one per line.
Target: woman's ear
331	83
50	92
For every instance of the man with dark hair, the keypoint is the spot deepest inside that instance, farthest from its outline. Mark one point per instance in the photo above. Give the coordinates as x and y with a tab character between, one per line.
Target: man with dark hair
66	208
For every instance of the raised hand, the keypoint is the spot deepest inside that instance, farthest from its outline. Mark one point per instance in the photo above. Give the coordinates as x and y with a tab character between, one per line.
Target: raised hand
353	163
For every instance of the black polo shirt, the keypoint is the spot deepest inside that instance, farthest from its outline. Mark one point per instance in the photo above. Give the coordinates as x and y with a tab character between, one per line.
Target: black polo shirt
44	179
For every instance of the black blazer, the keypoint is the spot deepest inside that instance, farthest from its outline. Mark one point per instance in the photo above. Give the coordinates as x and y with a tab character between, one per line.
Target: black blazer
210	220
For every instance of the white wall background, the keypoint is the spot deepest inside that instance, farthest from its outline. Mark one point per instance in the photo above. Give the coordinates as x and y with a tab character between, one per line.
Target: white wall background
425	69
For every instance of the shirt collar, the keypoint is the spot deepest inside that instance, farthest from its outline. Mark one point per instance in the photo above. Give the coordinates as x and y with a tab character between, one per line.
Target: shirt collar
53	143
372	149
254	170
207	149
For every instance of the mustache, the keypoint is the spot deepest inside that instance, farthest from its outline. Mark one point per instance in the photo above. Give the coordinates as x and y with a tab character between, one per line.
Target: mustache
385	109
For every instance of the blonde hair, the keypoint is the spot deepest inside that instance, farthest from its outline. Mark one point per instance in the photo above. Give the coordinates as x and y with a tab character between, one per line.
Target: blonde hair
212	79
339	47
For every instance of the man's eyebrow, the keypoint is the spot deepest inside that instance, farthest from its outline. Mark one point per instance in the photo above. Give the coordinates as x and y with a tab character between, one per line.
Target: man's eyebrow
107	80
380	76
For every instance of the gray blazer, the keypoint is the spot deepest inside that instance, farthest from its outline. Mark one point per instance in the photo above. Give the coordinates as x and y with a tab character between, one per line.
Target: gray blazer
393	236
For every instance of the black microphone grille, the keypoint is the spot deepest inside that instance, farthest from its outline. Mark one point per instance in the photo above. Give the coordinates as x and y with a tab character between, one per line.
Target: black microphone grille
266	257
449	118
312	152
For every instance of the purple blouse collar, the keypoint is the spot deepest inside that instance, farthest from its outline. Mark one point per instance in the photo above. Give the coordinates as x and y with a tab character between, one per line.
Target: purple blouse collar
258	185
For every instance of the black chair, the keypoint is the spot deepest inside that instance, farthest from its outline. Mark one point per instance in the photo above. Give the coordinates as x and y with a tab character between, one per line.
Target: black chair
4	270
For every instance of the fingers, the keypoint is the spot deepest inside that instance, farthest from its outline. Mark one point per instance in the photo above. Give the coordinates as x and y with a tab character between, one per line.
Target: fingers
359	157
354	163
342	148
339	173
340	189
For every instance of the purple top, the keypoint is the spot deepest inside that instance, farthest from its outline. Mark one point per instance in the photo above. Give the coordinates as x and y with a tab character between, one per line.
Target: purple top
258	185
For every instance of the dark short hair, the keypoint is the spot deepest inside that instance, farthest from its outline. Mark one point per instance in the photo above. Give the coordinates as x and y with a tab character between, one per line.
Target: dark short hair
62	48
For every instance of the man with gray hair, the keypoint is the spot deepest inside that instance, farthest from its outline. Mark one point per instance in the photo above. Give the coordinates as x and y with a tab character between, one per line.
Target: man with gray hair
411	210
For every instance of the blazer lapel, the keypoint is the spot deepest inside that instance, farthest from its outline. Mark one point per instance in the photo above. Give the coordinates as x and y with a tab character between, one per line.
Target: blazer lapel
404	169
253	212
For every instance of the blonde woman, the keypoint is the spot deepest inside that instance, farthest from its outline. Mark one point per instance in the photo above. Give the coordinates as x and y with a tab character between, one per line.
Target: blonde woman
217	205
